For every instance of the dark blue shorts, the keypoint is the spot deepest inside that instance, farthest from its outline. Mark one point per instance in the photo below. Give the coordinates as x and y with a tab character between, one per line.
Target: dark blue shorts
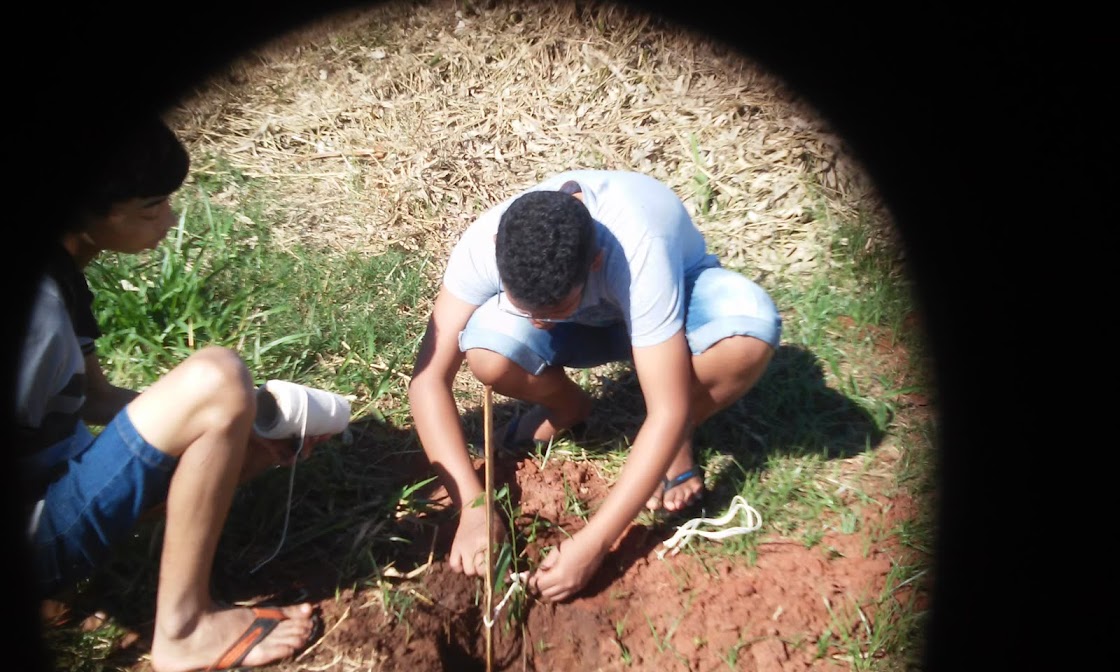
96	503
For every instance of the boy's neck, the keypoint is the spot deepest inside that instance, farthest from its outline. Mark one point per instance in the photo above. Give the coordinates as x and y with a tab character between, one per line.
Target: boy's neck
81	248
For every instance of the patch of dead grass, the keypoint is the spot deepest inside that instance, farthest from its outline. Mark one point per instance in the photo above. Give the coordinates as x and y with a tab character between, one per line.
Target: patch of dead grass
398	124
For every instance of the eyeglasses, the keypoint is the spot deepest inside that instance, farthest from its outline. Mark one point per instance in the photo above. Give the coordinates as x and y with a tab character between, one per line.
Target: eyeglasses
505	306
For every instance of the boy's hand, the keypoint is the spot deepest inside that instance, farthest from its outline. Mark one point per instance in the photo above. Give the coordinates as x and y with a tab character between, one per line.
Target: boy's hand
264	453
468	550
567	568
283	451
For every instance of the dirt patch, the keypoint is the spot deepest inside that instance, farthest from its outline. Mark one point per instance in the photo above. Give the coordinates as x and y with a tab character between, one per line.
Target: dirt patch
686	612
788	609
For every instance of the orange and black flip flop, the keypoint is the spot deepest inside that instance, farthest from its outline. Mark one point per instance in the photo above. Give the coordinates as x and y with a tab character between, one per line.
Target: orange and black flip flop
267	618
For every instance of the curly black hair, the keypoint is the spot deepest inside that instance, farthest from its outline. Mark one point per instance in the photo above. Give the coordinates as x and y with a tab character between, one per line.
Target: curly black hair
545	247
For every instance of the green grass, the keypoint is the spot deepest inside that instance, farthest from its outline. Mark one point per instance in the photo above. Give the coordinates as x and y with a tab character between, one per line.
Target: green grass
345	323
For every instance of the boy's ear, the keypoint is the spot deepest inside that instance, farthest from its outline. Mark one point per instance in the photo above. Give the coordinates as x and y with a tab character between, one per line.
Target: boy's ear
597	262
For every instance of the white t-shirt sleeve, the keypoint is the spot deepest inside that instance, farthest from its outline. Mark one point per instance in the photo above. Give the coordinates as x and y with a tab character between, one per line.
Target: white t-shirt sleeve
472	270
49	359
656	296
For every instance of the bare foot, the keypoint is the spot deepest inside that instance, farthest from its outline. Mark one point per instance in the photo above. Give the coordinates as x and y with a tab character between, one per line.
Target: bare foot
216	631
681	486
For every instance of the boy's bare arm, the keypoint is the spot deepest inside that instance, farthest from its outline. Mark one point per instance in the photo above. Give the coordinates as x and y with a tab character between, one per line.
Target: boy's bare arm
433	405
103	399
665	375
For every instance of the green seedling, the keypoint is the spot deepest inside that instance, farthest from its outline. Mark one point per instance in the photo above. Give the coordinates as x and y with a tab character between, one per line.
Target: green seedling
731	656
572	502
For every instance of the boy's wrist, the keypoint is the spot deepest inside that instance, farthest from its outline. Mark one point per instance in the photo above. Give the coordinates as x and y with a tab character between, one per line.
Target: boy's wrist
473	506
595	538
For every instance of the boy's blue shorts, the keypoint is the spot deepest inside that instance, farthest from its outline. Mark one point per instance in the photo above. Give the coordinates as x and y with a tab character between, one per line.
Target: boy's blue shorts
721	303
97	502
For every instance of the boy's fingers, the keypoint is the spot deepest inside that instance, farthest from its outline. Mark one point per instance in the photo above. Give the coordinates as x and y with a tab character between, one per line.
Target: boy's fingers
550	560
474	566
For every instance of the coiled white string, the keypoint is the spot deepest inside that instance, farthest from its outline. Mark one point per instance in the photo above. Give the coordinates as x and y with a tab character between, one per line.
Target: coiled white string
291	484
752	522
517	582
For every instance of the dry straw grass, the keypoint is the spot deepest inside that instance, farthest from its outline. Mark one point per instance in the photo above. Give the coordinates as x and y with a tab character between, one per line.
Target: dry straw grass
397	124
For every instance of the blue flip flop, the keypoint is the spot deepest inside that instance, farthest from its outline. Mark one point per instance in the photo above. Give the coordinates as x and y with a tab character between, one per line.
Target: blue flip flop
668	484
532	446
514	445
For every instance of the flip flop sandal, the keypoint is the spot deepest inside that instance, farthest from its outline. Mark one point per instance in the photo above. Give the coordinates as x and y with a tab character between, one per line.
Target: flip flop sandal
532	446
517	446
698	501
265	621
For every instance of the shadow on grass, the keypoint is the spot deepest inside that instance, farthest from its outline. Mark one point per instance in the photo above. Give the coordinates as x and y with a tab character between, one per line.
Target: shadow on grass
791	412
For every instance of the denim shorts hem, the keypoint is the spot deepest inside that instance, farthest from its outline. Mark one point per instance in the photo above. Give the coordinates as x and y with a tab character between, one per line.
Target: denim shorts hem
506	346
712	332
147	453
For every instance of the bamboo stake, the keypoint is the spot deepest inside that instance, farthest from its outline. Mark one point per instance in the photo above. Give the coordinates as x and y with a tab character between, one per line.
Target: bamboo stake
487	433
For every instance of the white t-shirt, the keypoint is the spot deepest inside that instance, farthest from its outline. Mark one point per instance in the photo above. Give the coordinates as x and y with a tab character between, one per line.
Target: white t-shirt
50	392
649	245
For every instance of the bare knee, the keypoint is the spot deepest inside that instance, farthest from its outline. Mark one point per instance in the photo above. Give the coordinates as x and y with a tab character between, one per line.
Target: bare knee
733	365
754	354
210	391
217	380
487	366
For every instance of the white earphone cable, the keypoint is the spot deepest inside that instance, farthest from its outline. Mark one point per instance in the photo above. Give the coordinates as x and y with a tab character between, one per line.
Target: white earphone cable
291	485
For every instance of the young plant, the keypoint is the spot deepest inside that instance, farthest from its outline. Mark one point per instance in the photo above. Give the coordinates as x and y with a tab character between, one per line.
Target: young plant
731	656
624	651
573	503
509	561
701	180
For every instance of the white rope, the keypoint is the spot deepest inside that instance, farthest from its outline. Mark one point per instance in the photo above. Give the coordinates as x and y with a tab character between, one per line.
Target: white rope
517	582
291	484
752	522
